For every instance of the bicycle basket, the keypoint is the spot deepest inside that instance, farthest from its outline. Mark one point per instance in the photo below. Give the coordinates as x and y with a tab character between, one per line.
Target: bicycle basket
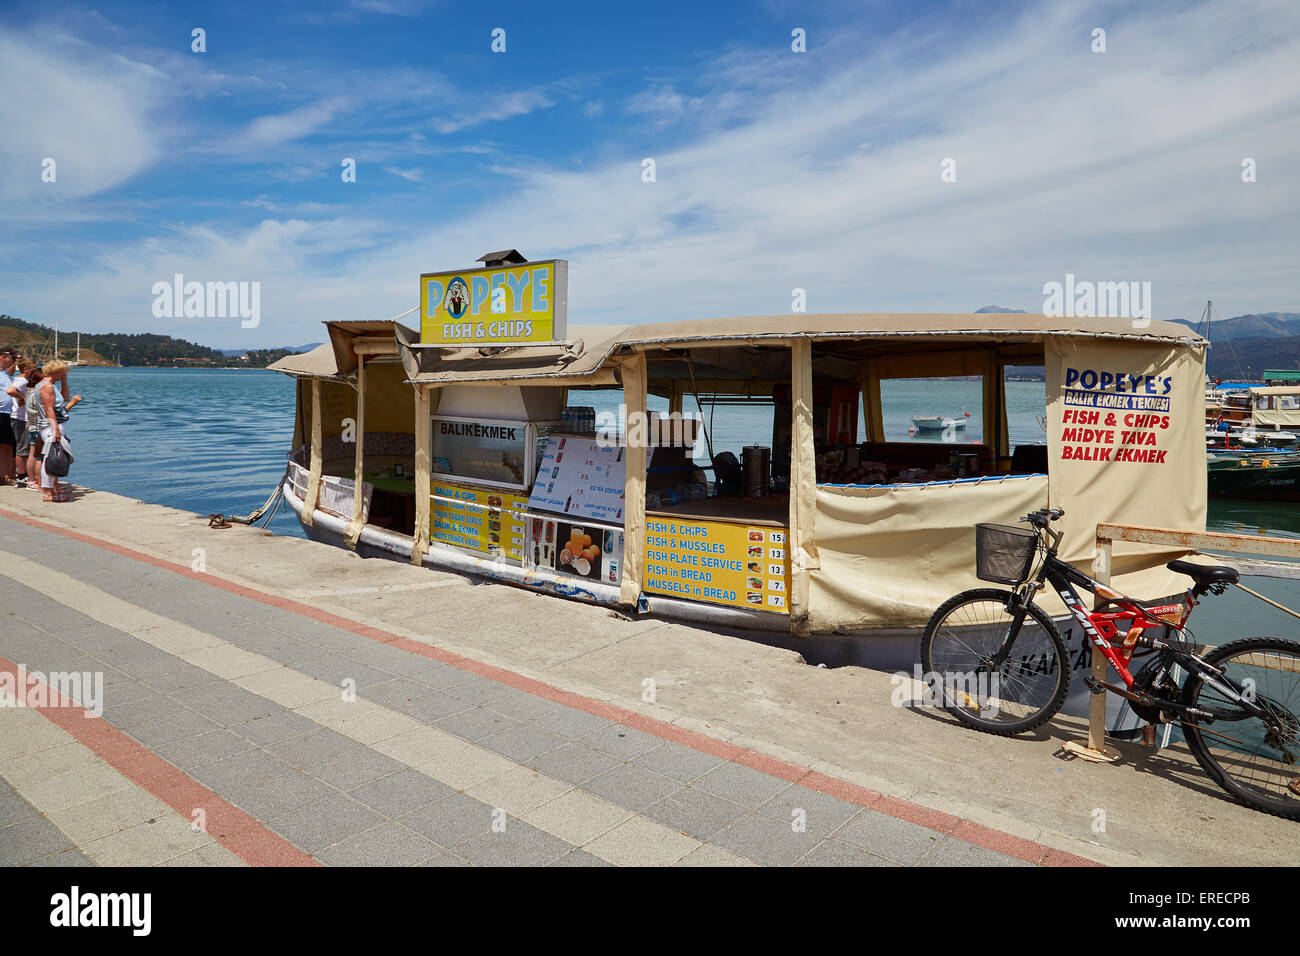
1004	555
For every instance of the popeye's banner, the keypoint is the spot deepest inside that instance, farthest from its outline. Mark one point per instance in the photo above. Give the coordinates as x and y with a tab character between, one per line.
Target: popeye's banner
518	303
1126	445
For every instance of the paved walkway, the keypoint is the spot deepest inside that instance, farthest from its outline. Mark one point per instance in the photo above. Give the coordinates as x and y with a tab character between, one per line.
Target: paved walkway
239	727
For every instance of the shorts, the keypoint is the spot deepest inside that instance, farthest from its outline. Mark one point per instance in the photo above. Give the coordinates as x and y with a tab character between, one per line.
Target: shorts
22	438
6	429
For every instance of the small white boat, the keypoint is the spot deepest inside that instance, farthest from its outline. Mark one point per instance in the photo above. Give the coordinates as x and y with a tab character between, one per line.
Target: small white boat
1251	435
937	423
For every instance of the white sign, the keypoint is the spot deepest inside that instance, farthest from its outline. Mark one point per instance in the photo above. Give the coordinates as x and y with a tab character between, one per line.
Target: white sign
581	477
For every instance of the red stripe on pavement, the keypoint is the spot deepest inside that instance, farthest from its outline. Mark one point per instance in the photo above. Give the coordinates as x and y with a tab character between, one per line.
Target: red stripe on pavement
230	826
945	823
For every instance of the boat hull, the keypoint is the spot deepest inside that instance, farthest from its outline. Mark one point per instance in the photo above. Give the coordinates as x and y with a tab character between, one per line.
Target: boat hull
1275	483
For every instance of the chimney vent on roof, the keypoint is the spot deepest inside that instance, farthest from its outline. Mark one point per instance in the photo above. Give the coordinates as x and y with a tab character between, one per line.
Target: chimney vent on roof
505	257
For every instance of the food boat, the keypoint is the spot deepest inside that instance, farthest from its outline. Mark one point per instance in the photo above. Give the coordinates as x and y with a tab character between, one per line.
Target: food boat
460	437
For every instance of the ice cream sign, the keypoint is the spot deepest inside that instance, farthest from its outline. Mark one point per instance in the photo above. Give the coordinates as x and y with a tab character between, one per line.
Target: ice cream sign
527	302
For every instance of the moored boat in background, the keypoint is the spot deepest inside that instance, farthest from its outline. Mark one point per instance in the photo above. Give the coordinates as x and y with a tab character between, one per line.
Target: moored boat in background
1275	477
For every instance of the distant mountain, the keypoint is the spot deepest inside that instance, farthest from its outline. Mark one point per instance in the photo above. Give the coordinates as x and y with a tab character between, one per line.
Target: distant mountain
998	308
1231	358
289	349
1250	326
138	348
1245	345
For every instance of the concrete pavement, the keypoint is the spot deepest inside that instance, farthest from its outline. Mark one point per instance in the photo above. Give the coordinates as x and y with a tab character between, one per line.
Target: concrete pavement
491	725
234	731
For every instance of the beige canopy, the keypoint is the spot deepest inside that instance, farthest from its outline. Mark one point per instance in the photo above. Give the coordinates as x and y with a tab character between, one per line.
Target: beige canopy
589	357
1277	406
318	363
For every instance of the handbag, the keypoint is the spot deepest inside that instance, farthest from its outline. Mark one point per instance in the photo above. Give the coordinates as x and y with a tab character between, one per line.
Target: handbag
58	458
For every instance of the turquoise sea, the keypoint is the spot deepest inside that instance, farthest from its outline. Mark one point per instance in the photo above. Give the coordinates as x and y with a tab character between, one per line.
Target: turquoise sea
207	440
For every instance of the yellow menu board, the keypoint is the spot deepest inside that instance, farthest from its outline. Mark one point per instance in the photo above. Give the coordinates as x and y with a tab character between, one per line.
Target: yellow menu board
715	561
477	519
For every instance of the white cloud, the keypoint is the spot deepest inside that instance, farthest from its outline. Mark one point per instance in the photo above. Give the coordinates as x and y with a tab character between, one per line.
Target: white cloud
91	113
1113	166
663	104
278	128
504	107
410	175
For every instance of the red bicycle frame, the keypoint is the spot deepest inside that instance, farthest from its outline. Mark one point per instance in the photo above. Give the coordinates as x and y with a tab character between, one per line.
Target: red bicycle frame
1115	633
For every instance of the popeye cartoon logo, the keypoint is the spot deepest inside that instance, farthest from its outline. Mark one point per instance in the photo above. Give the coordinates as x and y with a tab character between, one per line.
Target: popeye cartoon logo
456	302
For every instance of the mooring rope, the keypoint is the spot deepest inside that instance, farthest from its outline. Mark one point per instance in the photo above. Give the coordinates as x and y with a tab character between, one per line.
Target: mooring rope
1280	607
272	504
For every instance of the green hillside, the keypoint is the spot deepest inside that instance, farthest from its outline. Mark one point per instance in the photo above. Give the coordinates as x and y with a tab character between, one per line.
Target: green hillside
127	349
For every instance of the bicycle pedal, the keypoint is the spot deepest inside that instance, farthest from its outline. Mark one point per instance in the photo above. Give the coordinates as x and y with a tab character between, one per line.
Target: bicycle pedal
1093	685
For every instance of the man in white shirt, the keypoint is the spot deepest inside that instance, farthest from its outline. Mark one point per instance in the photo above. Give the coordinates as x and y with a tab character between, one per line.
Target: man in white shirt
22	440
7	359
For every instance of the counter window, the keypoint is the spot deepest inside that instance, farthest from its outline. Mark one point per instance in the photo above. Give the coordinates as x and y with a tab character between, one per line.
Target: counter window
491	452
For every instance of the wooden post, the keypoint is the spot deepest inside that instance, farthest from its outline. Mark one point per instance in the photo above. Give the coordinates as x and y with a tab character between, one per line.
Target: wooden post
634	373
423	438
317	462
1096	749
803	486
353	530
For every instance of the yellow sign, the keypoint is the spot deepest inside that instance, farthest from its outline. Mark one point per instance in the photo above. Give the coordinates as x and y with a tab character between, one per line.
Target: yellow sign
519	303
478	519
735	564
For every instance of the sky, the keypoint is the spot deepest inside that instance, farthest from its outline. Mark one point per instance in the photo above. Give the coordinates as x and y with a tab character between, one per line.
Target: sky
775	170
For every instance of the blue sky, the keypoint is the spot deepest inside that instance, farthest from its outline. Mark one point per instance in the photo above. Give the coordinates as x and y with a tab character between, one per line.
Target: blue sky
774	169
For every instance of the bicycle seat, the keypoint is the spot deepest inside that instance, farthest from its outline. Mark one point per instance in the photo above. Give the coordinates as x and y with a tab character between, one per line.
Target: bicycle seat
1205	575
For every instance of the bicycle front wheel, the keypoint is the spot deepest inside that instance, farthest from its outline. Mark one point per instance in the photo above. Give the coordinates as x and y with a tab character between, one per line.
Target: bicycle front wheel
1255	760
957	651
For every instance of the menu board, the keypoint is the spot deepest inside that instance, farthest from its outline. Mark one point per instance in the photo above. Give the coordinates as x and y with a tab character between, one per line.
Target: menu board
581	477
478	519
733	564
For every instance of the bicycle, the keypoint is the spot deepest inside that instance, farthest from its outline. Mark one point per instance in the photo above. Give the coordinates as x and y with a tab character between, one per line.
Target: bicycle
1004	668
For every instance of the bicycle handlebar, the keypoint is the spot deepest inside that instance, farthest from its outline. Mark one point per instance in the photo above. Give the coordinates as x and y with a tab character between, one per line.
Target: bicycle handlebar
1043	517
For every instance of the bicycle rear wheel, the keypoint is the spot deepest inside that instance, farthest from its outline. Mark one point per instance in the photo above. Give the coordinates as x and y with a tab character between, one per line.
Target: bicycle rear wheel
1256	763
957	648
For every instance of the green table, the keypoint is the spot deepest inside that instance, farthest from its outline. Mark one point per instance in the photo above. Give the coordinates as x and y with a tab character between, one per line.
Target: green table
397	486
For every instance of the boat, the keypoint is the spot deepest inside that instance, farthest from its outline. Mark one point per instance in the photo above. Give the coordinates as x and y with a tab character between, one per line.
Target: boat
1267	477
938	423
463	442
1254	416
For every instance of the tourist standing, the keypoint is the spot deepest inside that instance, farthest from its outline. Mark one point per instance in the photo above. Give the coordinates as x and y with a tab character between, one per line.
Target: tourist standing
8	358
33	427
22	444
53	416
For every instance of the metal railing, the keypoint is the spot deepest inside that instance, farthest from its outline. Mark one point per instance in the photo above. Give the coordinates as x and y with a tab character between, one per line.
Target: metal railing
1236	544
